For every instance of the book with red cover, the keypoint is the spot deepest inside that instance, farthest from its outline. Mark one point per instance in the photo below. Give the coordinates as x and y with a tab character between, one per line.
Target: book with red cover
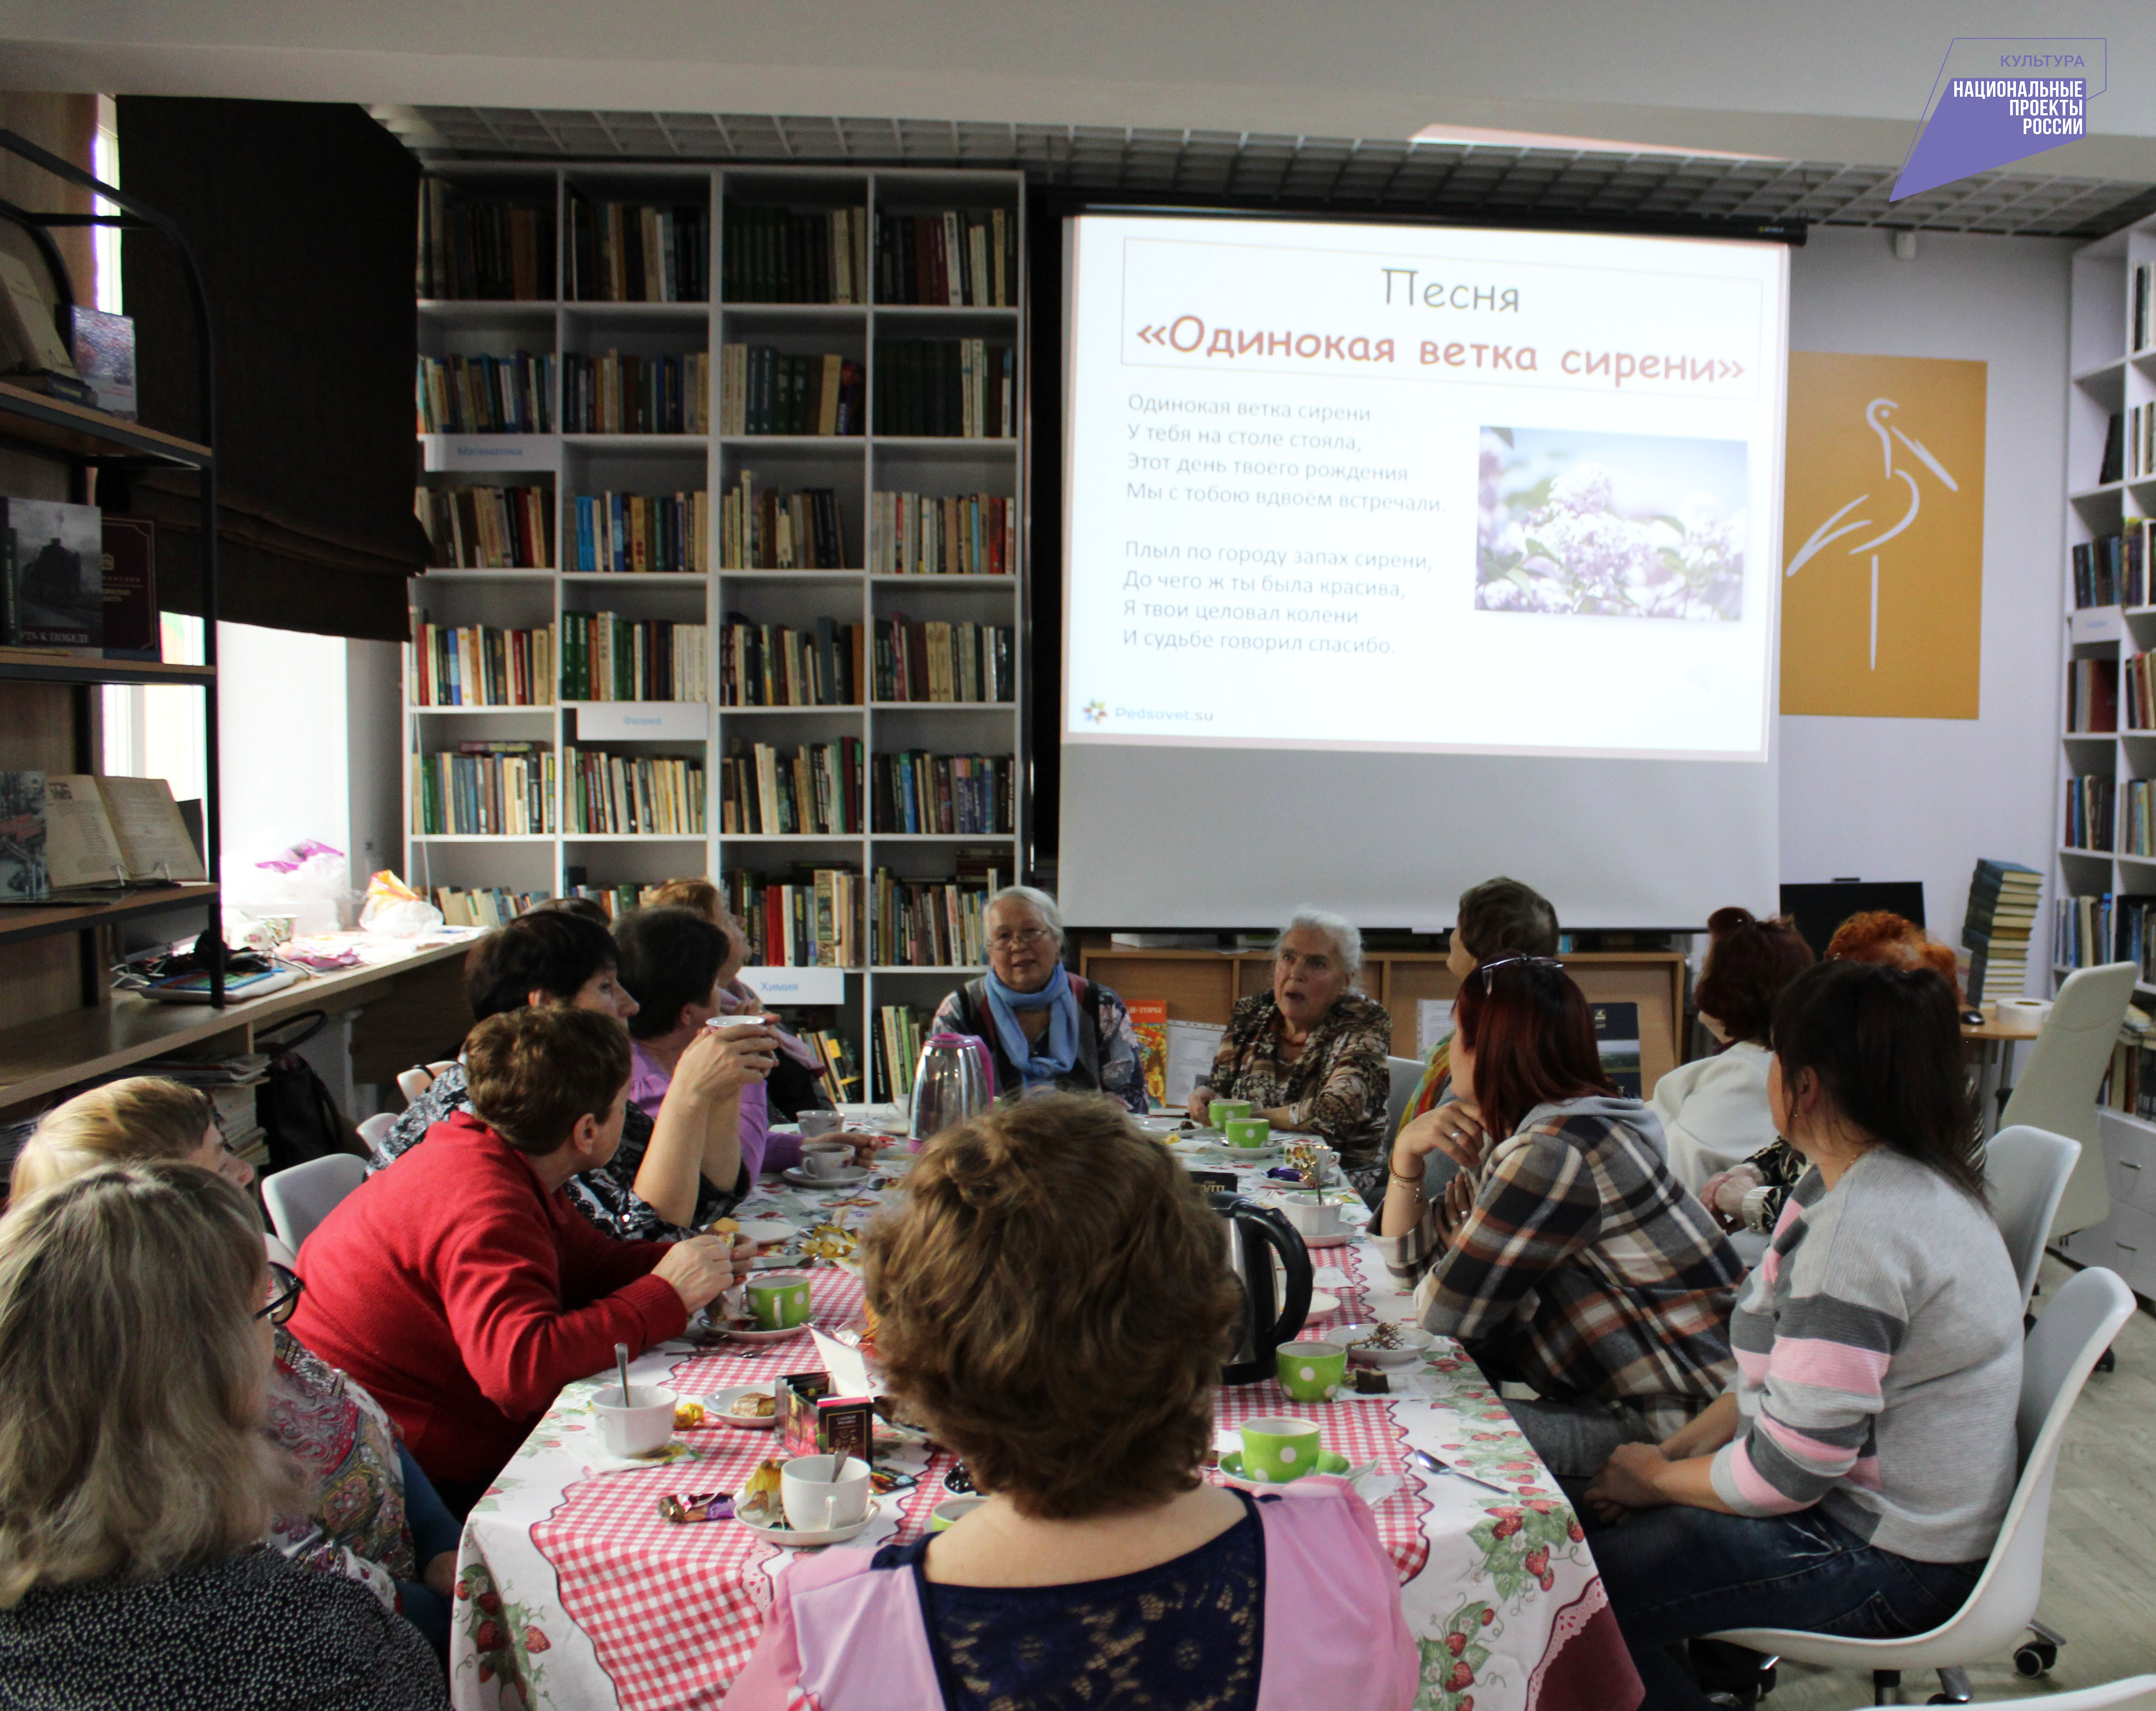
132	630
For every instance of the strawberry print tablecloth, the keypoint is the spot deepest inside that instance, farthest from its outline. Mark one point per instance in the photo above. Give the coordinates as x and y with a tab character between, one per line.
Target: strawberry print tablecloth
573	1593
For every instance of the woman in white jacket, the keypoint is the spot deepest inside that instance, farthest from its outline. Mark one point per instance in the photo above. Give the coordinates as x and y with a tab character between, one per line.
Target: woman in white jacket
1714	1111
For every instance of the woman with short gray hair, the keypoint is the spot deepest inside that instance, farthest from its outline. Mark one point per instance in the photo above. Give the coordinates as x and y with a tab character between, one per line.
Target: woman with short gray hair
1044	1027
1310	1054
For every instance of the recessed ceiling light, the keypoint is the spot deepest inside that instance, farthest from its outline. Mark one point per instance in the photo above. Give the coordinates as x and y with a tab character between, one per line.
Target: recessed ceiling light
1479	136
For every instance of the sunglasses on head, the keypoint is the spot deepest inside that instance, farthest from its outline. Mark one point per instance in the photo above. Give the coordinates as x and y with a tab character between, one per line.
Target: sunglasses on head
1489	968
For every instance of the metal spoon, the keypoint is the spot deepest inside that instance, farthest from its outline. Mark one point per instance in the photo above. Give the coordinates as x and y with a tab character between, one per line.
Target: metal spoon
1423	1459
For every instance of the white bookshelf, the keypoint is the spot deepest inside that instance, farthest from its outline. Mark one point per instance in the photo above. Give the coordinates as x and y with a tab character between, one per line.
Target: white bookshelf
854	466
2109	377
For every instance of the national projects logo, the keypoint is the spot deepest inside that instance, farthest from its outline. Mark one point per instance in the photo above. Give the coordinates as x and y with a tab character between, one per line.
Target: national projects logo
1998	99
1094	711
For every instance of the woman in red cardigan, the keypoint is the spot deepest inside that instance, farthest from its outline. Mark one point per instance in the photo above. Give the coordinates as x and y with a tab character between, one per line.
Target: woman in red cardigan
462	1288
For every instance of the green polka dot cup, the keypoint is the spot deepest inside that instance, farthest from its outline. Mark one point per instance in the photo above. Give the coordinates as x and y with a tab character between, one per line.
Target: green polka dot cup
1222	1112
1277	1449
1312	1371
778	1303
1247	1131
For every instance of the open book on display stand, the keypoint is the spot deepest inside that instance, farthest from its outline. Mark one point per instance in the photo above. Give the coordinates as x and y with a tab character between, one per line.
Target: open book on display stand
104	832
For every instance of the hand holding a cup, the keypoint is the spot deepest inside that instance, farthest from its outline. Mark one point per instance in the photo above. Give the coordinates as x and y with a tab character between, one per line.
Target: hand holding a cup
700	1268
720	1062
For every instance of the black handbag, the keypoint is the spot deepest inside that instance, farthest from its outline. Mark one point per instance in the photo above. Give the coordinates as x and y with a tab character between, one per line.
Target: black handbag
299	1119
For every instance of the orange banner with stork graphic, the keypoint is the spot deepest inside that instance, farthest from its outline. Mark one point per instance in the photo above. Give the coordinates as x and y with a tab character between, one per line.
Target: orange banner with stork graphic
1882	536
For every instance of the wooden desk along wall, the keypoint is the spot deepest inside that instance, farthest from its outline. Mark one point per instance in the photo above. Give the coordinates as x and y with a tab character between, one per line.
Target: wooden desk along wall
1203	986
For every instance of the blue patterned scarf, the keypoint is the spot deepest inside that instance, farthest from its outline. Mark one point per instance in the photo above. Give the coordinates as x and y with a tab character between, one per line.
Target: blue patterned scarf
1058	1051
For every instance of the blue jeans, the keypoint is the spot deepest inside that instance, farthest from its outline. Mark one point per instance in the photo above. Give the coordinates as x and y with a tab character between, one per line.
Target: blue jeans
1676	1573
434	1530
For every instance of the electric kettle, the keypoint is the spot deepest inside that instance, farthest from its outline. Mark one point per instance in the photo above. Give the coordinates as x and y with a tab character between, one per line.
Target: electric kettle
1255	1234
954	1083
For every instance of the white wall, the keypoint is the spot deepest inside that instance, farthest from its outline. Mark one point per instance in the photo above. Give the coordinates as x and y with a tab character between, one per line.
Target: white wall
1922	798
309	749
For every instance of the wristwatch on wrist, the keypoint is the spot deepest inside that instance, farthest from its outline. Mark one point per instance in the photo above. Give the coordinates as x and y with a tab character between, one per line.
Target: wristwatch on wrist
1752	1210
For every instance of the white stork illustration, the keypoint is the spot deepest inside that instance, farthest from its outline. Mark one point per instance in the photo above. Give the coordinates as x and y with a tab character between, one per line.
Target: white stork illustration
1874	504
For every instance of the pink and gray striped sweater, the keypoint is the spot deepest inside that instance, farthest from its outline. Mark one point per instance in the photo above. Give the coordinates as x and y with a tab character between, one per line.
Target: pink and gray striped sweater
1878	1349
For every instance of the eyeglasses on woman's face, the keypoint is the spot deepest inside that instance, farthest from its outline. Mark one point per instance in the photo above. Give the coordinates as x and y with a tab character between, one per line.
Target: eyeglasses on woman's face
1488	970
1011	938
285	1287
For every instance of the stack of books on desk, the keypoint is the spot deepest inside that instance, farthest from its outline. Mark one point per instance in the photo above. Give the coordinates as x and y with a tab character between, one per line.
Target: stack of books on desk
1996	928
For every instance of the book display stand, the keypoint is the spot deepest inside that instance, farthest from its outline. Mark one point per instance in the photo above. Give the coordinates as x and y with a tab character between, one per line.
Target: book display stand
802	522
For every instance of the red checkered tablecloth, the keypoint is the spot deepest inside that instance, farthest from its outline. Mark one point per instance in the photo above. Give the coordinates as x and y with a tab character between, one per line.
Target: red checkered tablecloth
574	1592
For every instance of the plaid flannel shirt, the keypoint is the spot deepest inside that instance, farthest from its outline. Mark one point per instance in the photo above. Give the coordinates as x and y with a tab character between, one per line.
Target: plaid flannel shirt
1584	1268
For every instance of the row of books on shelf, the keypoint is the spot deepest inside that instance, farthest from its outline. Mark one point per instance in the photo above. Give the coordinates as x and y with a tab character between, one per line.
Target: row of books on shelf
491	248
934	661
964	388
809	918
2143	330
767	391
2093	695
484	789
761	528
483	394
607	794
954	534
772	666
614	393
623	252
895	1049
815	790
476	665
2090	802
643	533
487	528
826	915
959	258
1997	924
484	906
789	255
2136	941
2112	570
932	923
502	249
2089	931
2136	709
2140	442
2130	1084
607	657
916	793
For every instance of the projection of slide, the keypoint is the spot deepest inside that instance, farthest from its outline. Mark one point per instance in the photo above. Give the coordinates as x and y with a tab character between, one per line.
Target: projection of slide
1418	488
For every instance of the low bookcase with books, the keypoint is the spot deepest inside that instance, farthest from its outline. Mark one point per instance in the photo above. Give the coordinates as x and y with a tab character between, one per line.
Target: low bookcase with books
723	470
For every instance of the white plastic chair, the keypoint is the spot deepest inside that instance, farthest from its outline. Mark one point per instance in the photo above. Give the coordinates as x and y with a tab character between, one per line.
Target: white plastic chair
299	1199
2026	1170
375	1130
413	1083
2057	1091
2077	1327
1407	1076
280	1253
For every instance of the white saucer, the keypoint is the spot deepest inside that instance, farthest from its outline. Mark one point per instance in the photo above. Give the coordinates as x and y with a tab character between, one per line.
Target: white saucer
845	1177
1321	1304
716	1407
787	1536
742	1333
765	1232
1339	1238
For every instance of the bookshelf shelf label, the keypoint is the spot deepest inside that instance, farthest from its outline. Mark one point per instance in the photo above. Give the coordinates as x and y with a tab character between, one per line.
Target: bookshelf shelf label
2097	624
683	721
782	985
491	451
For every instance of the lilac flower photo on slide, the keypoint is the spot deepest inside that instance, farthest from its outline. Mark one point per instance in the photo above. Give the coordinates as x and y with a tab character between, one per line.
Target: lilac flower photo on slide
1585	524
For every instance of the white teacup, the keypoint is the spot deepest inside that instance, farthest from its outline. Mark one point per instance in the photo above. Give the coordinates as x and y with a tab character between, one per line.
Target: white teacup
819	1122
820	1493
1312	1218
727	1025
643	1428
825	1160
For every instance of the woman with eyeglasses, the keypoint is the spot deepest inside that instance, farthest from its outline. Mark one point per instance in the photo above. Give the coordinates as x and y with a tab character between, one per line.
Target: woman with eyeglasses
1310	1054
136	1478
366	1510
1569	1258
1046	1029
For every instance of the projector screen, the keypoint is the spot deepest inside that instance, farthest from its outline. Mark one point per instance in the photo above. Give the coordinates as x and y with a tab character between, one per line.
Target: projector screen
1398	556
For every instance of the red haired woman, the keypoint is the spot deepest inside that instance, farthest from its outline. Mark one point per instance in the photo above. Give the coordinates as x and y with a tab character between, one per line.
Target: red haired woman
1569	1257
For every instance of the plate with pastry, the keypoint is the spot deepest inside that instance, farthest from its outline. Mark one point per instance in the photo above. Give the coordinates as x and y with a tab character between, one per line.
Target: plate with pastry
745	1407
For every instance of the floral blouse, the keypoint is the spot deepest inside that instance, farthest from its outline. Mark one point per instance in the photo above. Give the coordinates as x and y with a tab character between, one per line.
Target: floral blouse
608	1195
343	1442
1337	1086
